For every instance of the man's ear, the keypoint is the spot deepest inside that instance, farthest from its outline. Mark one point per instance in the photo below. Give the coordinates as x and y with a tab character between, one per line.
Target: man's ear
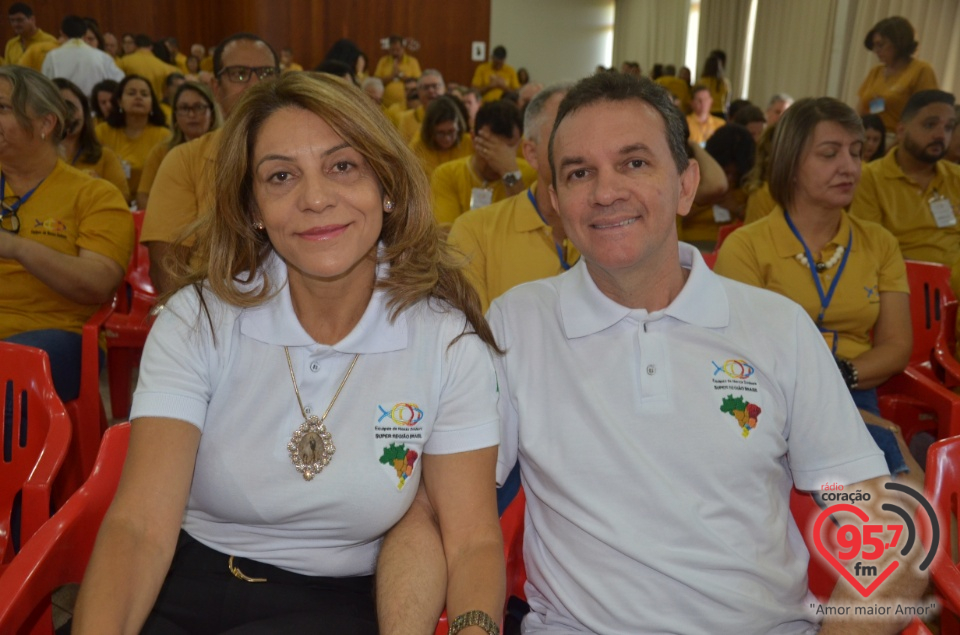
689	181
530	152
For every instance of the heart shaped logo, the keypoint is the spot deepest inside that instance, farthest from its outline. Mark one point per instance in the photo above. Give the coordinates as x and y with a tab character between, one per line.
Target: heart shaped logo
832	559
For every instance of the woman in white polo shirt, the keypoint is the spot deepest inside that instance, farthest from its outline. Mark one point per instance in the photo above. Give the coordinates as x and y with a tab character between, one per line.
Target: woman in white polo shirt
322	355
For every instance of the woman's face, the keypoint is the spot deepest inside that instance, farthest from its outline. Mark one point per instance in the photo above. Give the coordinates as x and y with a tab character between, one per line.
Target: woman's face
446	134
883	49
871	143
14	140
318	198
830	167
193	114
75	113
193	64
91	38
129	46
135	98
105	103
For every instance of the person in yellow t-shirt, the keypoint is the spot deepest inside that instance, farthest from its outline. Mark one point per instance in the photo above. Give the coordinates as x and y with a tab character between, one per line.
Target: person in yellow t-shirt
111	46
24	25
134	126
846	273
899	75
144	63
194	114
912	191
715	79
700	122
36	54
286	61
65	237
492	173
676	87
179	59
80	146
520	238
393	68
429	87
443	136
496	76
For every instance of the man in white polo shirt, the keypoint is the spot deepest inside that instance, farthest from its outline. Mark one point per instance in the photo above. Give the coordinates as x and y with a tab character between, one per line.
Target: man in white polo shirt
660	413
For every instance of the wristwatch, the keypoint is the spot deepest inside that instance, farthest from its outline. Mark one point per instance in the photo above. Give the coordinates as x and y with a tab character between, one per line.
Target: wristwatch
512	178
474	618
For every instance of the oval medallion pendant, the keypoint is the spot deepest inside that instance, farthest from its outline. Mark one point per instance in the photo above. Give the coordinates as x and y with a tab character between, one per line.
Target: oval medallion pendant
311	447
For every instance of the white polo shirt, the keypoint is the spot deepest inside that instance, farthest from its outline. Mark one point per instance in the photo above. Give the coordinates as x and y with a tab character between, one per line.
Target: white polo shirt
408	390
658	450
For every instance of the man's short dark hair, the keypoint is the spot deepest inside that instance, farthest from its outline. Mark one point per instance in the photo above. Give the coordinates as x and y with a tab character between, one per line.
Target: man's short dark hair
618	87
20	7
171	78
748	113
924	98
395	39
501	117
499	53
733	145
142	41
698	88
236	37
73	26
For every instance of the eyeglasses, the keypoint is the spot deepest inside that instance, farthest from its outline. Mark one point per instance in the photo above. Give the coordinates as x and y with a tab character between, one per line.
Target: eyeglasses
196	109
447	134
9	221
242	74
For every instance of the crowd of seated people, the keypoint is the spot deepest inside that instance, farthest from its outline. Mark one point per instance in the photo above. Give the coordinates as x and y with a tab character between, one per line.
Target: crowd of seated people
445	196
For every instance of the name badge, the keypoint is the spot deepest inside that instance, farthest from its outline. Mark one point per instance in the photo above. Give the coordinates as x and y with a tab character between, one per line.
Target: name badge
721	215
480	197
877	105
942	211
126	168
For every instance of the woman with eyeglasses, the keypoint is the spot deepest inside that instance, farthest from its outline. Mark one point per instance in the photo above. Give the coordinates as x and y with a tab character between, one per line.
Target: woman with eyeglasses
194	115
66	237
847	273
443	134
80	146
135	124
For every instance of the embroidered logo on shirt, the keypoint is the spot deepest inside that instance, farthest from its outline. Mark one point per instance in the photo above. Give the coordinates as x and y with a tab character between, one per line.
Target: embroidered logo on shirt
873	293
402	460
49	227
734	368
746	413
402	414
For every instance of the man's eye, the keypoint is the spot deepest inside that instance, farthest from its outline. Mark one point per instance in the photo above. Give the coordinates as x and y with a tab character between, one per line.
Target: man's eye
637	163
578	174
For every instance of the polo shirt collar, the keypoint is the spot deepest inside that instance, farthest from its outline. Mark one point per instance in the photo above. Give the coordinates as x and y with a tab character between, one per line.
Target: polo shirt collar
276	323
890	169
585	310
527	219
788	246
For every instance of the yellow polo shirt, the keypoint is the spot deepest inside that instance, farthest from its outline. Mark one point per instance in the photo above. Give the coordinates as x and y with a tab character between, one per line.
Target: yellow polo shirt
133	152
887	196
410	122
393	92
15	48
700	132
431	159
151	165
678	88
108	168
763	254
182	190
68	212
895	90
486	72
36	54
699	225
148	66
453	183
759	204
507	244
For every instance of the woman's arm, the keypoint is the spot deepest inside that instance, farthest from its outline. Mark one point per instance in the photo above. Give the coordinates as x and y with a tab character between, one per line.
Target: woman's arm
892	342
713	180
87	278
139	533
462	490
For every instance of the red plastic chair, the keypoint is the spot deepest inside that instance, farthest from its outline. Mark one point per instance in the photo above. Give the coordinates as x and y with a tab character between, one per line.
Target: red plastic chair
942	487
128	327
34	441
945	363
710	259
58	552
724	231
929	289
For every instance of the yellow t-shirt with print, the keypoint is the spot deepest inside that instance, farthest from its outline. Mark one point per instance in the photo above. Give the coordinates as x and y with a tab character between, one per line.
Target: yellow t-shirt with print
764	254
132	152
68	211
887	196
506	244
453	184
108	168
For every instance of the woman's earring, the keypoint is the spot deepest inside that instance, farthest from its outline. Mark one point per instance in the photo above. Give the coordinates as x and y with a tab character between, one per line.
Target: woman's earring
258	225
388	205
120	108
43	136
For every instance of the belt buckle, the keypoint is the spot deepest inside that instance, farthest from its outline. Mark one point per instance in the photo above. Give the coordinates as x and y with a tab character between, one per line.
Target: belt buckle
240	575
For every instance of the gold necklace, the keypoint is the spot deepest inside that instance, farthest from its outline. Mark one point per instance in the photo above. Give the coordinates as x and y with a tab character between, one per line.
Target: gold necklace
311	445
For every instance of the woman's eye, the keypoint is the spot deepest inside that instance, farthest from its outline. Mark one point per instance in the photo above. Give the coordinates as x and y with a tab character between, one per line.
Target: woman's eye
280	177
342	166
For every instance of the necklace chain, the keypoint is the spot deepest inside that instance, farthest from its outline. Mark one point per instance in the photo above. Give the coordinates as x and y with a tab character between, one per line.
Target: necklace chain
296	389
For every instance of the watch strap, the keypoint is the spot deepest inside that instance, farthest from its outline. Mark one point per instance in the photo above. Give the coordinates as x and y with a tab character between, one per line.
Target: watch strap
474	618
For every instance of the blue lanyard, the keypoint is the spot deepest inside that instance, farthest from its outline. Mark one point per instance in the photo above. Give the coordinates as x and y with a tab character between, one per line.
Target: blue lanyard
12	209
825	299
560	256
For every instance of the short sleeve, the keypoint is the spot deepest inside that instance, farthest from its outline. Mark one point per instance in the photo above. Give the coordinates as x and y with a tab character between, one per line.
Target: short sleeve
446	199
467	412
506	408
737	259
105	222
926	79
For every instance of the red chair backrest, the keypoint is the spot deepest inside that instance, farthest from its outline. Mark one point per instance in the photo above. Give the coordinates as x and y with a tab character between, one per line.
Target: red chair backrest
929	286
724	231
58	553
35	432
942	486
945	363
710	258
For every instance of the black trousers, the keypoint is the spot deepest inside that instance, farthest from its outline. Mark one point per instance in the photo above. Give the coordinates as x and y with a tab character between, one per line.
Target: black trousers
201	596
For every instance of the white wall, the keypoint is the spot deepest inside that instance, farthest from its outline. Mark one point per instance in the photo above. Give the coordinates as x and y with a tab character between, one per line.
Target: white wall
553	39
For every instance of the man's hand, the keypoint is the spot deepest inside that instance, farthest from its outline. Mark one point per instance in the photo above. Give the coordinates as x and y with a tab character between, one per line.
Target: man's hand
498	154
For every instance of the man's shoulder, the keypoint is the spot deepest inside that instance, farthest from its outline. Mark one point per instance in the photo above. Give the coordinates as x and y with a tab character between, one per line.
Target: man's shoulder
452	169
482	220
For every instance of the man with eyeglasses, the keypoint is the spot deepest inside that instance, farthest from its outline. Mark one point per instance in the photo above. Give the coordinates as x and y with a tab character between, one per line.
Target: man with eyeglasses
183	189
429	87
